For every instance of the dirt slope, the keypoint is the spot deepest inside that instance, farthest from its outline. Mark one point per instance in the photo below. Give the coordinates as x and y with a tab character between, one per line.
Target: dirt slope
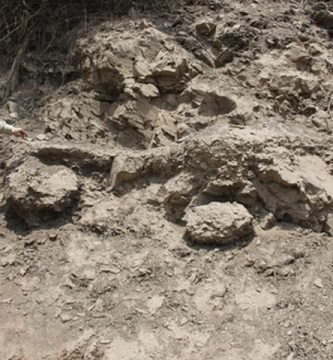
174	199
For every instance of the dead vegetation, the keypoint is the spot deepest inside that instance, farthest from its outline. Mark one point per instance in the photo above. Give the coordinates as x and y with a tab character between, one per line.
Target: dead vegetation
41	20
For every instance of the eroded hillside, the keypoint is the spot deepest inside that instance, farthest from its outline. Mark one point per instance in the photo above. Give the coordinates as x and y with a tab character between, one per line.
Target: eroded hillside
174	197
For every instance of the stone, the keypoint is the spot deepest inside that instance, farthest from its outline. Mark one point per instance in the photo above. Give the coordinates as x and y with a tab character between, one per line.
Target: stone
124	169
205	27
237	37
13	109
319	283
206	95
65	317
133	113
323	18
214	104
243	113
101	214
141	70
225	57
37	192
297	54
155	303
53	236
267	221
218	223
301	192
149	91
294	187
74	154
151	124
301	83
183	130
175	76
205	56
321	120
329	224
160	61
41	137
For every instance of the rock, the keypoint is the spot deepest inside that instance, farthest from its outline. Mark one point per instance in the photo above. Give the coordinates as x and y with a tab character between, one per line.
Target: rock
319	6
13	109
324	19
173	77
41	137
205	27
319	283
69	116
75	154
37	192
218	223
53	236
134	113
103	214
242	114
225	57
321	120
65	317
205	56
149	91
214	104
236	37
191	43
141	70
329	224
267	221
293	187
125	168
152	125
297	55
301	191
183	130
204	93
106	74
303	84
155	303
161	61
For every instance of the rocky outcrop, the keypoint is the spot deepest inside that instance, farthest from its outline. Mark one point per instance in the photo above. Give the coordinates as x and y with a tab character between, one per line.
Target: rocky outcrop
134	79
112	61
261	170
218	223
300	191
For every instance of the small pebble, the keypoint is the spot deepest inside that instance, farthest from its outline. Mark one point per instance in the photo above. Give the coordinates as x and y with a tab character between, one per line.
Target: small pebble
318	282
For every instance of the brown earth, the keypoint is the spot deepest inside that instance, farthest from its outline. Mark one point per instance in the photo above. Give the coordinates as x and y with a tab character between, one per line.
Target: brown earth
174	198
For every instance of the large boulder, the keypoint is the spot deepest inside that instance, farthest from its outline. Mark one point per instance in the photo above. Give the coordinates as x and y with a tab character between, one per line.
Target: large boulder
218	223
300	191
38	192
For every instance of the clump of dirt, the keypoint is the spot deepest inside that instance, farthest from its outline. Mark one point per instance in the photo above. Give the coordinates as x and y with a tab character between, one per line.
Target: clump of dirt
176	188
